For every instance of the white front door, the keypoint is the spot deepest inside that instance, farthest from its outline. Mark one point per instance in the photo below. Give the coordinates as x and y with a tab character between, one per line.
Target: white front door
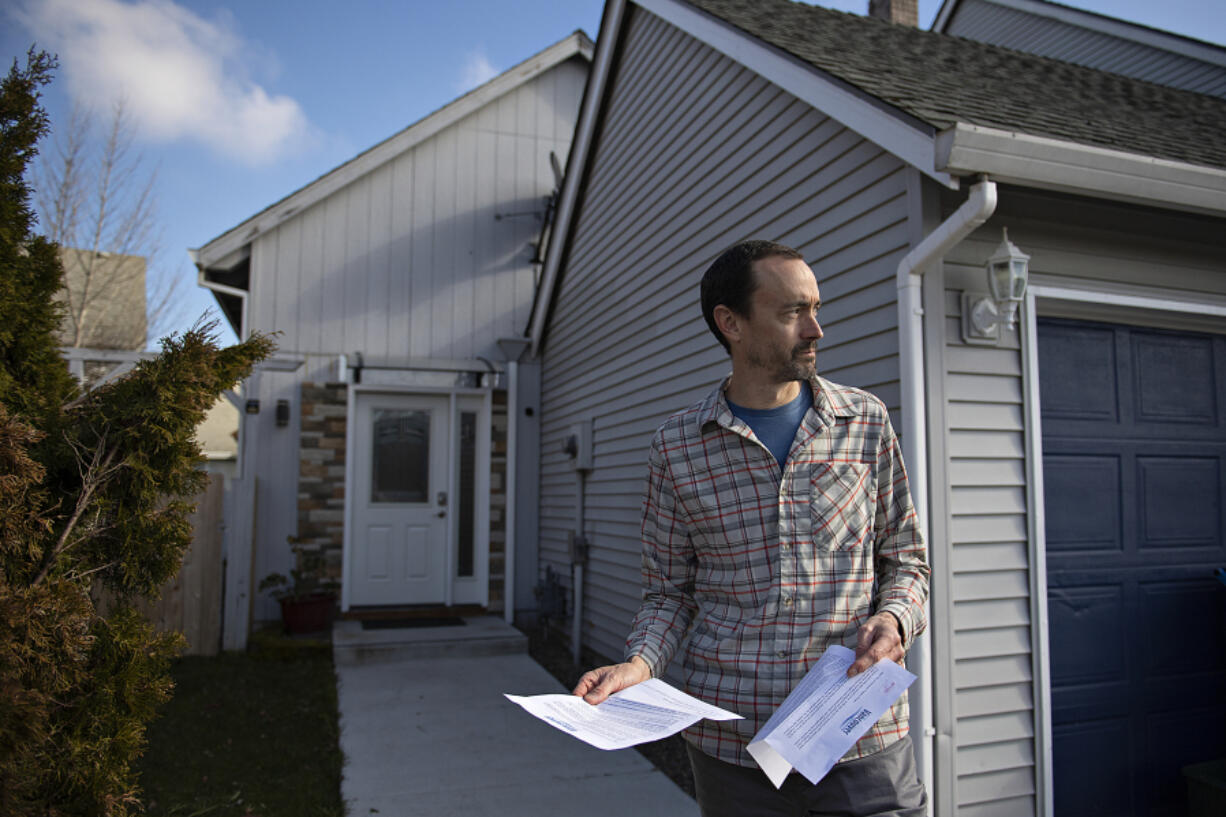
399	503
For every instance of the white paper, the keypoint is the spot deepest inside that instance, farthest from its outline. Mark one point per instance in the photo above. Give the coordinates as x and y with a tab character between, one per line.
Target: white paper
825	715
644	712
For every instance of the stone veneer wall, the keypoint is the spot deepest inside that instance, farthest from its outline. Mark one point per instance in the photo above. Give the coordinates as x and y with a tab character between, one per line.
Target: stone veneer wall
321	481
321	472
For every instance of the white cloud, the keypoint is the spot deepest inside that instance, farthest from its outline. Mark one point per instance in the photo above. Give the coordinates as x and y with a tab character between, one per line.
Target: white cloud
477	71
180	76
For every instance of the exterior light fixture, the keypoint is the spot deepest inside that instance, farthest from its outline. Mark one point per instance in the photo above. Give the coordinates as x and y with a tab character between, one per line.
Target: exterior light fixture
984	315
1008	269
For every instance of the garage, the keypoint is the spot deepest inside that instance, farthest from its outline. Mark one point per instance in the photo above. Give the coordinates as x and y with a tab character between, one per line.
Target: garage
1134	468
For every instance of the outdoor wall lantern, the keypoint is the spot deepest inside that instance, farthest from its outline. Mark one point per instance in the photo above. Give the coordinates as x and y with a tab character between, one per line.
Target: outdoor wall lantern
983	315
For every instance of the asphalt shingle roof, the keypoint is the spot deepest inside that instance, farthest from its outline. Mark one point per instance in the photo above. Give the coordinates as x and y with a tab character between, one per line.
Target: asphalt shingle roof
940	80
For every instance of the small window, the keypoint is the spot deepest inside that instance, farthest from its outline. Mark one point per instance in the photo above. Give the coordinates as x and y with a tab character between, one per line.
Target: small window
468	493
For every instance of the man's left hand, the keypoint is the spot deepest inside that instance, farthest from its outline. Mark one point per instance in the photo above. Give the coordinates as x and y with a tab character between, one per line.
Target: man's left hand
878	638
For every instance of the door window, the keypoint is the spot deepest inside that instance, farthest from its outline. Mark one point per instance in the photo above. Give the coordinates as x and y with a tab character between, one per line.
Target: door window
400	456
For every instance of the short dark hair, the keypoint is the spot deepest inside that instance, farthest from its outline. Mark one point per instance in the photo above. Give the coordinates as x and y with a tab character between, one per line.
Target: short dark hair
730	280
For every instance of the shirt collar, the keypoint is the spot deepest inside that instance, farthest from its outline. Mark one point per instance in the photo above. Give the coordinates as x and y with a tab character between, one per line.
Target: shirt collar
829	401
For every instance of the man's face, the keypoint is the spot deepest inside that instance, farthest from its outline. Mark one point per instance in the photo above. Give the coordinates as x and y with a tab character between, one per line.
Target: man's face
779	336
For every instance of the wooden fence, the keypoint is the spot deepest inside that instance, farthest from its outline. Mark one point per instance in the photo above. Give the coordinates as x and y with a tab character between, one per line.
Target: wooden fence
191	601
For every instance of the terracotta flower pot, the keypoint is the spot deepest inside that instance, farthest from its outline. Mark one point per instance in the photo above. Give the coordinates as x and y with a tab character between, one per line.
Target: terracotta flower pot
307	614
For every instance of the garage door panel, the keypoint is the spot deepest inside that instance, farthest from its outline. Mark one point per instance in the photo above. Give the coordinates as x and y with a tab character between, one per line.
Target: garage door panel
1078	353
1086	625
1180	501
1170	379
1173	740
1082	501
1094	757
1183	617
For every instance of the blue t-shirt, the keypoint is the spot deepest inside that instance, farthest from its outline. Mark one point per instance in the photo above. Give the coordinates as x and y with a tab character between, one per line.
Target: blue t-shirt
776	427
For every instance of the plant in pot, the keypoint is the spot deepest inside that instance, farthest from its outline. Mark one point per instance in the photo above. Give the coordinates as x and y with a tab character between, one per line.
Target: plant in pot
307	595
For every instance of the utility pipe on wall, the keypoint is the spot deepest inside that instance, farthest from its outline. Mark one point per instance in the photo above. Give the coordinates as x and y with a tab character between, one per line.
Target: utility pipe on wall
976	210
578	560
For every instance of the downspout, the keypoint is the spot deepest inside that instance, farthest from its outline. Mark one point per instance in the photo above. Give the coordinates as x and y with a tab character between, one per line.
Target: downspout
235	627
976	210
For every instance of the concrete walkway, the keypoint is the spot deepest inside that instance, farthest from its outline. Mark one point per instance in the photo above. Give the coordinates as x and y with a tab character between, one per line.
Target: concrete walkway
425	730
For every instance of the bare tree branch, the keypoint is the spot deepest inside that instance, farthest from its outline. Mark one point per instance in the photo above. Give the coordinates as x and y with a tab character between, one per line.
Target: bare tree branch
100	468
98	202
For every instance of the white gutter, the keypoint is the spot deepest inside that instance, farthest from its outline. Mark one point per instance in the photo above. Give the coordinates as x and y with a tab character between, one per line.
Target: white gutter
977	209
241	294
1072	167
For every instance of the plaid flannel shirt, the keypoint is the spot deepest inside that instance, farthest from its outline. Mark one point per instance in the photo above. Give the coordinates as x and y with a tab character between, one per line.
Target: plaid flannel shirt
763	569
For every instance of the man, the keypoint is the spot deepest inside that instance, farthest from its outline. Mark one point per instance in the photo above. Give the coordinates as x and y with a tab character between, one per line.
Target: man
777	522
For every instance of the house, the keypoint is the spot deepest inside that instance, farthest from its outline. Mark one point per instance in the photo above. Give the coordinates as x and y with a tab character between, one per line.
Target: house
383	436
103	328
1085	38
104	300
1068	467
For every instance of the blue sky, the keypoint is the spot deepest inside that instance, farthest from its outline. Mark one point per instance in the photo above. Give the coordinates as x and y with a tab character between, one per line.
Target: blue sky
236	105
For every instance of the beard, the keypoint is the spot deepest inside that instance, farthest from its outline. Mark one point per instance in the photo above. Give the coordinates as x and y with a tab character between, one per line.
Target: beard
786	366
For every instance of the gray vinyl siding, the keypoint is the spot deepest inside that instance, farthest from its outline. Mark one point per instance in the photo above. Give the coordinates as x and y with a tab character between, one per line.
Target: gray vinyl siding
695	153
1014	28
428	255
1071	242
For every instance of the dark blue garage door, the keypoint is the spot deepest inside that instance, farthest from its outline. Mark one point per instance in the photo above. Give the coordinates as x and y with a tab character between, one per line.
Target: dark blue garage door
1134	472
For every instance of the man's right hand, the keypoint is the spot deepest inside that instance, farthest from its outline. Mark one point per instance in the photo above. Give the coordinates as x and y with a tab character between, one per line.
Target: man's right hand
600	683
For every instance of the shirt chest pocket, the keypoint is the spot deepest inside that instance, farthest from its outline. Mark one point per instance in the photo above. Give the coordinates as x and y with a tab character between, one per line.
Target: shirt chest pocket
841	500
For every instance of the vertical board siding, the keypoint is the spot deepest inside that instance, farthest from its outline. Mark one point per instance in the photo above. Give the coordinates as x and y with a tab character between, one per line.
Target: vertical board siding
407	261
1070	243
430	254
695	153
275	466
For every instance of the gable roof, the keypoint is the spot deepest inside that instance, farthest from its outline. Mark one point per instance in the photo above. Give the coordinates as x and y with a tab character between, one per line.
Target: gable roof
942	80
227	250
948	106
1089	38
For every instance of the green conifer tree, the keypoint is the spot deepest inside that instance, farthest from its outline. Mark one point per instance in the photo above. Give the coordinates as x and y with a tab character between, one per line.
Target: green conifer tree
95	492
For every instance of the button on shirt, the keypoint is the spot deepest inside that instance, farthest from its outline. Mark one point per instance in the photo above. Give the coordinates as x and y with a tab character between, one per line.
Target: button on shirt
764	568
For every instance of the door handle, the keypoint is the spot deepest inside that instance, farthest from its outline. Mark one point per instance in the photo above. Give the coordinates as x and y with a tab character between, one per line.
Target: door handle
441	514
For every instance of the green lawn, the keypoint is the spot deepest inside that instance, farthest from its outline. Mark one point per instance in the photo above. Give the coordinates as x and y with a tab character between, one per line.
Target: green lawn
248	734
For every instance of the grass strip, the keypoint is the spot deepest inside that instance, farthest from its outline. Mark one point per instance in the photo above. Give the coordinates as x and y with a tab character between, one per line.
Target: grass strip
248	735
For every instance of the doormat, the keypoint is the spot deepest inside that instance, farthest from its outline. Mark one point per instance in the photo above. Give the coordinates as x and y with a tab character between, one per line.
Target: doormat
406	623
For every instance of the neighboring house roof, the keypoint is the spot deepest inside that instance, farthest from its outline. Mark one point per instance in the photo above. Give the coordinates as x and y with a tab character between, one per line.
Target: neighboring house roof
941	80
1088	38
950	107
222	261
104	299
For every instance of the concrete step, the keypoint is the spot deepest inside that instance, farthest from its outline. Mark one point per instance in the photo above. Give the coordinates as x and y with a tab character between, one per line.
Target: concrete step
479	635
